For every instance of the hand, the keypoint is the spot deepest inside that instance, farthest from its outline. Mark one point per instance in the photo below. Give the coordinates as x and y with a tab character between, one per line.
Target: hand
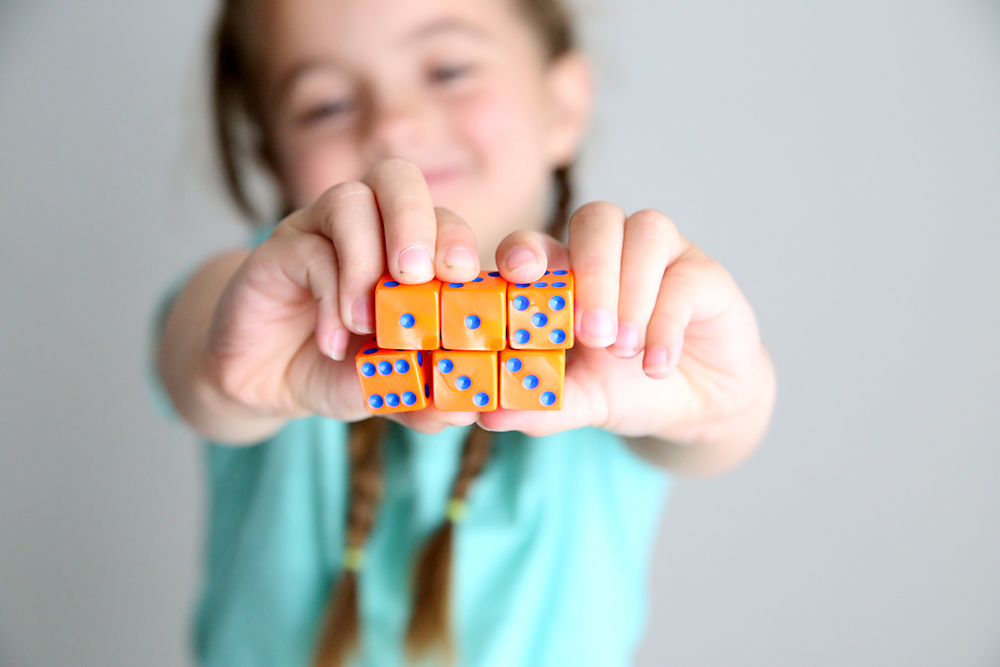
667	346
280	342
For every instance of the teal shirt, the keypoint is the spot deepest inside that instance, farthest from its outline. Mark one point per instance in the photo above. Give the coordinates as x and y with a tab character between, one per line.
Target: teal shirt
550	561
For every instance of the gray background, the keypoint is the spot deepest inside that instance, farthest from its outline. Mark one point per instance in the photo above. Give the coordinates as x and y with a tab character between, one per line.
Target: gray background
842	159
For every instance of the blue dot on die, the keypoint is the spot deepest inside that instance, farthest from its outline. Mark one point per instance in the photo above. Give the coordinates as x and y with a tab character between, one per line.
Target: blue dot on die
521	336
402	366
368	369
530	381
559	284
522	285
456	285
472	322
547	273
560	272
547	398
481	399
446	366
521	302
392	400
541	285
557	303
420	358
558	336
494	274
375	401
427	390
371	350
409	398
478	279
406	320
539	319
513	364
385	367
391	283
463	382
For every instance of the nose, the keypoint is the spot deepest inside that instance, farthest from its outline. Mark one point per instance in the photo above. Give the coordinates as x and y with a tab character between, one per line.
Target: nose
398	127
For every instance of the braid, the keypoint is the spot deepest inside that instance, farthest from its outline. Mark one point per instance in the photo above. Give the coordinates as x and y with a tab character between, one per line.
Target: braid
430	621
341	627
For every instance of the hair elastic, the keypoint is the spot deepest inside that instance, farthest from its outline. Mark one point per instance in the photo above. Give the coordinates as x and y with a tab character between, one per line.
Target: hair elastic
354	558
456	510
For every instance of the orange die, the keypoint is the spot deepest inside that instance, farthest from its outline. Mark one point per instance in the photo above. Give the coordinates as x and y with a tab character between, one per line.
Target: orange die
394	380
465	381
406	316
540	314
474	314
532	379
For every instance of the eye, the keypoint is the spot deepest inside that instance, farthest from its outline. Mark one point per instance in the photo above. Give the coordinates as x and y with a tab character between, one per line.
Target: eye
325	111
449	73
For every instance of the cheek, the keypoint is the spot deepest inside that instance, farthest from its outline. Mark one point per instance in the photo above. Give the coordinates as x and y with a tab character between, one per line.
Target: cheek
507	140
312	167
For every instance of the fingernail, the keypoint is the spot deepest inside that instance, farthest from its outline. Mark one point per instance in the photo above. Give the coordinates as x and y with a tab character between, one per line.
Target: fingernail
628	338
656	360
519	258
598	326
361	315
459	258
415	262
338	344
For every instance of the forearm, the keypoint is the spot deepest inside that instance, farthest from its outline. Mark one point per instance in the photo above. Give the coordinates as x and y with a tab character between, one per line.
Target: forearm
718	442
181	361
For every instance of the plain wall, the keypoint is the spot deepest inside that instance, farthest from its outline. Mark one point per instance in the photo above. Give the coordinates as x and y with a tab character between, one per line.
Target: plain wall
841	159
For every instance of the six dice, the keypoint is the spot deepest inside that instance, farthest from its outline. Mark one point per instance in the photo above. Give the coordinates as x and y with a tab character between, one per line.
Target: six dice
473	322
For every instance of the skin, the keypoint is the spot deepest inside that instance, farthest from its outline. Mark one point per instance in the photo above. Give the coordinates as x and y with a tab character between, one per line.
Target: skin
417	138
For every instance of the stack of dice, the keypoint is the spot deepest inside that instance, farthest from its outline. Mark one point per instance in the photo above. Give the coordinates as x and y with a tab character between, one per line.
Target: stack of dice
471	346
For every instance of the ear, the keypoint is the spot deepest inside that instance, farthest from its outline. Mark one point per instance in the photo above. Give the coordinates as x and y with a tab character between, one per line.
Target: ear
571	96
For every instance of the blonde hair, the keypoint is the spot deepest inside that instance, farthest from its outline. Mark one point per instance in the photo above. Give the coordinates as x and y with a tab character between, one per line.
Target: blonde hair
241	135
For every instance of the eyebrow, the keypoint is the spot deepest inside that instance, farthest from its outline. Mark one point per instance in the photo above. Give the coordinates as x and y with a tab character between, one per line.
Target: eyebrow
445	26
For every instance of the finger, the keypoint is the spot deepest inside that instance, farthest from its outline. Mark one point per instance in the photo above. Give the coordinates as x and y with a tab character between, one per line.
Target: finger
456	257
524	255
693	288
310	262
404	202
595	248
348	214
329	388
651	244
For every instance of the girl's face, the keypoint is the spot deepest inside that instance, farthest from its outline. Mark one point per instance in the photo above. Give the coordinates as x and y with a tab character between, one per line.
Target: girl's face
462	88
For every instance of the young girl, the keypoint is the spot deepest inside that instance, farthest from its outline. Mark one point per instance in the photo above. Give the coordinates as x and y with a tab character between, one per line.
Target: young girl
426	139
